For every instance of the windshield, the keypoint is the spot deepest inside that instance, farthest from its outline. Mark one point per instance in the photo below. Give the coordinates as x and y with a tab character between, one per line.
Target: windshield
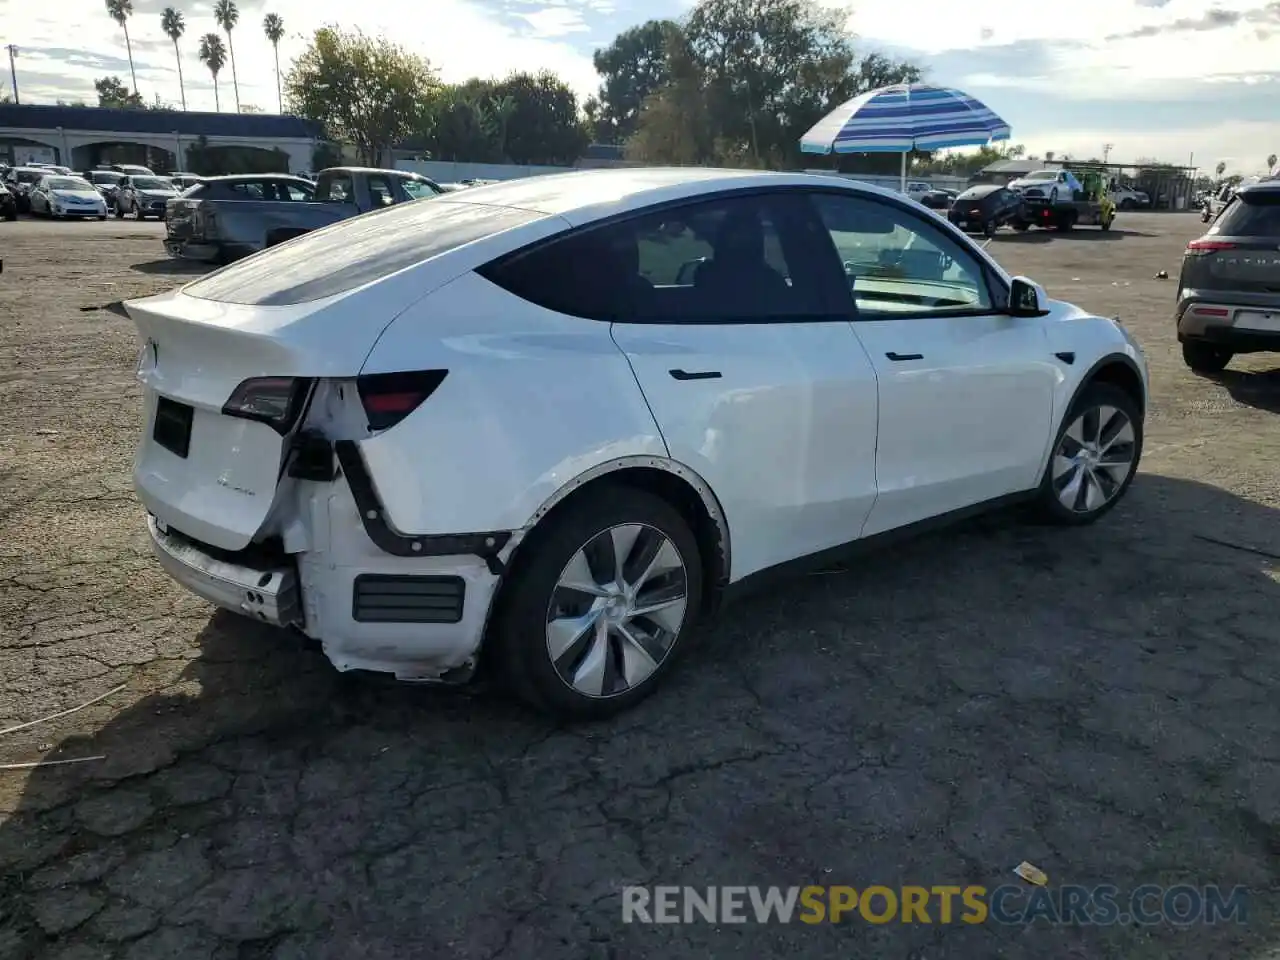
102	176
28	176
1251	215
68	183
151	183
419	189
1042	175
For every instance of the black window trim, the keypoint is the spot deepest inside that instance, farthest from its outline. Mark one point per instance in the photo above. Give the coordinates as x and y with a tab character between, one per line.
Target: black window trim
996	288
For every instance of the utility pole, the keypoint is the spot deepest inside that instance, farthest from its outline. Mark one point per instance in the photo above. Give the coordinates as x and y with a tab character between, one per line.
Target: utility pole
13	72
1106	151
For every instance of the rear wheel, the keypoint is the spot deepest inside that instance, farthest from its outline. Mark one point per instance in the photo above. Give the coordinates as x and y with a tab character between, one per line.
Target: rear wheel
1022	226
598	604
1095	457
988	228
1205	357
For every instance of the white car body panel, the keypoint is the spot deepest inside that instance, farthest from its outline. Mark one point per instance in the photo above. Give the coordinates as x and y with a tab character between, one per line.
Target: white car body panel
808	438
541	370
785	436
1063	181
944	442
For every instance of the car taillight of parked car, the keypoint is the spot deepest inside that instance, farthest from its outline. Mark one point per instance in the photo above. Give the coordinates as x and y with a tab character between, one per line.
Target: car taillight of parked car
1204	248
388	398
275	401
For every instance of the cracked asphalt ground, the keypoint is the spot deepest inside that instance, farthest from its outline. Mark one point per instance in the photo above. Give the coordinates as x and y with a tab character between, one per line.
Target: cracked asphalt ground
1100	702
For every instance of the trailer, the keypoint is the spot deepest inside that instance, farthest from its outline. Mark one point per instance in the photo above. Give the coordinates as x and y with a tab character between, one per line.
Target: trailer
1067	214
1092	206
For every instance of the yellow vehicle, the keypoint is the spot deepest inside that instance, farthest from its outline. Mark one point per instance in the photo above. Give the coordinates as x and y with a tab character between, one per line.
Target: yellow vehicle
1092	206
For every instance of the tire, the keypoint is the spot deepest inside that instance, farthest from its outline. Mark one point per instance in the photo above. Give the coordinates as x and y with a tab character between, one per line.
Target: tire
988	228
1127	204
520	638
1022	226
1051	505
1053	196
119	212
102	217
1205	357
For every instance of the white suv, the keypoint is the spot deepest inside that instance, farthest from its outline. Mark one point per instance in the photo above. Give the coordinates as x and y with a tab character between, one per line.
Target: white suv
1056	186
553	421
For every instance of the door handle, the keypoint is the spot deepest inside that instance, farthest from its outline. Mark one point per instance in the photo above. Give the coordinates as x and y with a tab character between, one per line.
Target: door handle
695	375
904	356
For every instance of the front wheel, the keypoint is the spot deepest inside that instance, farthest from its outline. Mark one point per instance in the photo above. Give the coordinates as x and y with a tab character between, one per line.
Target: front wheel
598	604
1095	457
1205	357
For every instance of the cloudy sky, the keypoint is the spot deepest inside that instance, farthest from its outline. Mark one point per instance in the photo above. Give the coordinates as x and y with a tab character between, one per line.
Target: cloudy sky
1154	78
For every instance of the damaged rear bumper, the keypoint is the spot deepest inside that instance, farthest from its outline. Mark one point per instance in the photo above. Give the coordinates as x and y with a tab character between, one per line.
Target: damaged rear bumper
266	593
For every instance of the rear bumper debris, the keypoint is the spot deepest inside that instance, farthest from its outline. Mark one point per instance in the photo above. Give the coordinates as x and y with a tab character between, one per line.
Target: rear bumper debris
268	594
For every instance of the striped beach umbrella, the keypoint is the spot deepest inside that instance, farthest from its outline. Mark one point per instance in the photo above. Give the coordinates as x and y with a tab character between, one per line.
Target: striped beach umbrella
902	118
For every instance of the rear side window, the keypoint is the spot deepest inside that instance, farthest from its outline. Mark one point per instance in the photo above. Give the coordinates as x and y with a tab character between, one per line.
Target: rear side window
1254	214
354	252
732	259
337	189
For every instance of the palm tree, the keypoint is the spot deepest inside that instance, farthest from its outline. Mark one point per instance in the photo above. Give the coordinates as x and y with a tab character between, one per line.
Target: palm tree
214	56
228	15
174	26
273	27
120	11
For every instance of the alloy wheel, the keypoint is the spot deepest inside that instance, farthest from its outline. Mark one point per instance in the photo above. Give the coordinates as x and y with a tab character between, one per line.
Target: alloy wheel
617	610
1094	459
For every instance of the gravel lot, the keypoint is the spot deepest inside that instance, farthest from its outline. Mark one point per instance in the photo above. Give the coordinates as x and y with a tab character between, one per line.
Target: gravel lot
1094	701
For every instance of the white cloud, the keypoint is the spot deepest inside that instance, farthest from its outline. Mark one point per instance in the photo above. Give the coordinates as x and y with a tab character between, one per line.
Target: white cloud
461	39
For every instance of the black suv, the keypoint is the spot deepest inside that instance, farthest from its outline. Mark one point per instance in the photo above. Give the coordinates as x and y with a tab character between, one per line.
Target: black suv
1229	287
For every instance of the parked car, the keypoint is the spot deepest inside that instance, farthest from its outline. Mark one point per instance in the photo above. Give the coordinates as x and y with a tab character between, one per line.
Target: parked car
988	207
8	204
226	218
184	181
67	197
1229	285
20	181
131	169
1056	186
144	196
494	424
53	168
107	183
937	199
1127	198
917	189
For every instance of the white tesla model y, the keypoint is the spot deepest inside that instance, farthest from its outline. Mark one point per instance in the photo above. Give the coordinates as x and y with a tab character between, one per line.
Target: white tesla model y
551	422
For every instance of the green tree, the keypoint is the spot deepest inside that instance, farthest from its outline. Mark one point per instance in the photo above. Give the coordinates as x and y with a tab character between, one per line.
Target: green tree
214	56
227	15
174	26
673	126
543	124
762	71
112	93
273	27
369	92
1271	162
456	124
633	68
120	11
1221	168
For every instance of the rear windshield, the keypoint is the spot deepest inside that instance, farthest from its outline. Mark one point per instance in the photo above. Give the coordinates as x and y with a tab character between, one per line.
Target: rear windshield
103	176
1253	214
977	193
354	252
151	183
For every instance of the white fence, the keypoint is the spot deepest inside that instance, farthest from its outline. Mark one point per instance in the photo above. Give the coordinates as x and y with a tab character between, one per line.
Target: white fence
443	171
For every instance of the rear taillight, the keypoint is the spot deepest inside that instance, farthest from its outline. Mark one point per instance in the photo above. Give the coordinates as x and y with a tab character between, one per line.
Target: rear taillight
388	398
275	401
1199	248
1211	311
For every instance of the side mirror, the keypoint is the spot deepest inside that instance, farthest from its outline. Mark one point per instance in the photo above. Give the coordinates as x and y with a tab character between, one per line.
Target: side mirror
1026	298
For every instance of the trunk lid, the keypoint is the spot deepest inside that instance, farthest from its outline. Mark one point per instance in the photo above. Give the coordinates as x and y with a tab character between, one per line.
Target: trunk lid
208	474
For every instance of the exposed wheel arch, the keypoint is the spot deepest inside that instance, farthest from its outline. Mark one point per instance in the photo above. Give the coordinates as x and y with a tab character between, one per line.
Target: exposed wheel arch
1119	371
281	235
675	483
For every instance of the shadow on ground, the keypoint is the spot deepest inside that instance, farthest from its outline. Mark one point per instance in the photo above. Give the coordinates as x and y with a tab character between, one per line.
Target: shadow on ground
1098	701
1253	388
1079	234
172	266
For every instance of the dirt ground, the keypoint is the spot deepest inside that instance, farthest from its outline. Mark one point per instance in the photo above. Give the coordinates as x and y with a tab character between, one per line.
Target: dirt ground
1099	702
